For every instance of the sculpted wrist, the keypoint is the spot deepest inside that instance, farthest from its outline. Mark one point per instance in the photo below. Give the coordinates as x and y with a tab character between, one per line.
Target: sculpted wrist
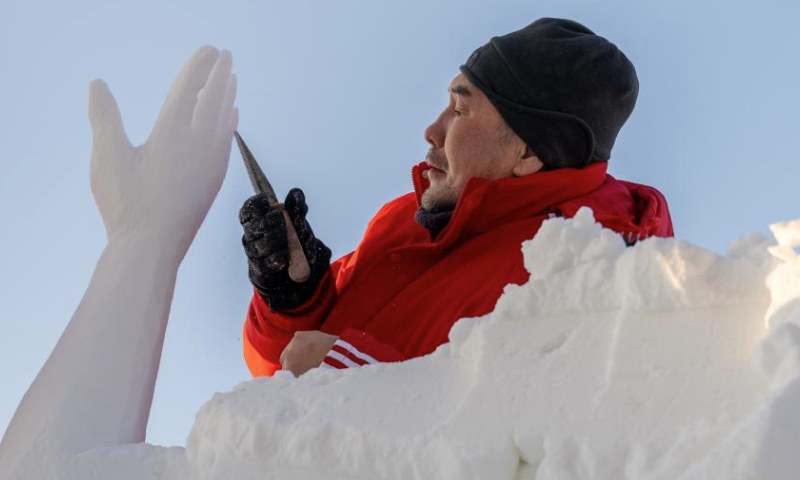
147	247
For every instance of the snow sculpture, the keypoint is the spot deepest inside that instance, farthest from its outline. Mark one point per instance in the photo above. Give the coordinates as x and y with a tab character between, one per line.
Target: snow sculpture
661	361
152	199
611	363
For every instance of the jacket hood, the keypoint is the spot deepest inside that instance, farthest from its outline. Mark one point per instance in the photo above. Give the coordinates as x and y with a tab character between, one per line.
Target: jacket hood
633	210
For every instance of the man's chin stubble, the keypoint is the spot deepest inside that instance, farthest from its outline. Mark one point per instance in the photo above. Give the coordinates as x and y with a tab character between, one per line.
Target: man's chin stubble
431	203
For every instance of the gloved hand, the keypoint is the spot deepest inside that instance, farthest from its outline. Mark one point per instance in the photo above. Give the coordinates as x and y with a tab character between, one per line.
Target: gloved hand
267	250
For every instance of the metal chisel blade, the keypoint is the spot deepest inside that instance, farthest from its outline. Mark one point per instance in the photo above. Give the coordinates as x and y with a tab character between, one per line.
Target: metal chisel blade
257	177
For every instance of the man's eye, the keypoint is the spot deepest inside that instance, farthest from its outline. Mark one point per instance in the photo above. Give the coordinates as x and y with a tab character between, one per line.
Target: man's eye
457	112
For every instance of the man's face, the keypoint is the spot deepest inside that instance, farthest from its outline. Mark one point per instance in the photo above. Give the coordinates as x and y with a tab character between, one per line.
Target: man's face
468	139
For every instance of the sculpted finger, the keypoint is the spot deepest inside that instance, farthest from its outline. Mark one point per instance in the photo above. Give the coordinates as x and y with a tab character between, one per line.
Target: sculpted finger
108	132
225	117
210	99
228	122
182	98
225	141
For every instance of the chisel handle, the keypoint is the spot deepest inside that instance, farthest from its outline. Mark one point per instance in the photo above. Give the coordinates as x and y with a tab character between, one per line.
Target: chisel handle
299	271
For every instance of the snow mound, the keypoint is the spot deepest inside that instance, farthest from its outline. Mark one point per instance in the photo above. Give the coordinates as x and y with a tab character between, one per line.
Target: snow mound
657	361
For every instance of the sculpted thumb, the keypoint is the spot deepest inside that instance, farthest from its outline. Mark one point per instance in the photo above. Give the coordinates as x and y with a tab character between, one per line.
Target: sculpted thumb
105	118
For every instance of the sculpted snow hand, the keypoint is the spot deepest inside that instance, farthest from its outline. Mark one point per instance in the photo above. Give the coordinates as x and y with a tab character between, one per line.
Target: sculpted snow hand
96	388
185	157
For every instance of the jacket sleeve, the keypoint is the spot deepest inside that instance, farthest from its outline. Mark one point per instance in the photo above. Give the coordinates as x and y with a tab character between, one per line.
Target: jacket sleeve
355	348
266	333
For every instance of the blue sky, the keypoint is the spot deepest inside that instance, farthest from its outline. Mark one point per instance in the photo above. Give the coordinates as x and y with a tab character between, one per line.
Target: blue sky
334	96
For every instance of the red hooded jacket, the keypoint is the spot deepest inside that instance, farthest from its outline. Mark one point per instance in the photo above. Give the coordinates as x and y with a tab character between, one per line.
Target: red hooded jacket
397	295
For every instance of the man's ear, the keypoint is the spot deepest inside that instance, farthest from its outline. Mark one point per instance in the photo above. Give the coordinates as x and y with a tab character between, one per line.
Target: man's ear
527	163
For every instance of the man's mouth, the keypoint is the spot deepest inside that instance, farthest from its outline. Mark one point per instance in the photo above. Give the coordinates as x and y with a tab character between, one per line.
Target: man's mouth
434	161
433	172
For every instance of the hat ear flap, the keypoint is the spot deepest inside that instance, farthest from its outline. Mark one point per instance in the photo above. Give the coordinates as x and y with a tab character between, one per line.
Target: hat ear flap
560	140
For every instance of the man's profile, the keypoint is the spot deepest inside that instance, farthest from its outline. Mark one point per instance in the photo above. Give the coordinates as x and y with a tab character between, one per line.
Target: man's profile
527	133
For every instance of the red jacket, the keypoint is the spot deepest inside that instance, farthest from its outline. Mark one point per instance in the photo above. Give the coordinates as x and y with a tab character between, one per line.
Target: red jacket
397	295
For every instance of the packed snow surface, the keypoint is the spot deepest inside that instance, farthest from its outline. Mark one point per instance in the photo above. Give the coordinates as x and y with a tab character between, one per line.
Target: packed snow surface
657	361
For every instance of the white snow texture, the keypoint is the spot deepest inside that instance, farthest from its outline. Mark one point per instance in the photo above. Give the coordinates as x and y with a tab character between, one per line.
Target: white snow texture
658	361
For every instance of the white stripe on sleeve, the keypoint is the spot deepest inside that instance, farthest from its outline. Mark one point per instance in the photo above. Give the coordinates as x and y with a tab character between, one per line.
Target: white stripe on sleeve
343	359
350	348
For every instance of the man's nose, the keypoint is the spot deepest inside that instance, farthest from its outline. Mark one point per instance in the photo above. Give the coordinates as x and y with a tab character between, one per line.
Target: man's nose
435	133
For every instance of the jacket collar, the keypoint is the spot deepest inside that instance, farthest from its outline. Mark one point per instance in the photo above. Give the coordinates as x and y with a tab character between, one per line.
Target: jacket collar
485	204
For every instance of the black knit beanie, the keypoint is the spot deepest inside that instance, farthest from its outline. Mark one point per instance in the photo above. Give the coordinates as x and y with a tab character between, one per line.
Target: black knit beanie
564	90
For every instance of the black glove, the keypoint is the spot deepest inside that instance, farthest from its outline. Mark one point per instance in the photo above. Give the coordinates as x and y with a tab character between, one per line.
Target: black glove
267	250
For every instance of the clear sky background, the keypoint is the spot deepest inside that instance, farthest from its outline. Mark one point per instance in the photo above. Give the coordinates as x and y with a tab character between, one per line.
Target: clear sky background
334	96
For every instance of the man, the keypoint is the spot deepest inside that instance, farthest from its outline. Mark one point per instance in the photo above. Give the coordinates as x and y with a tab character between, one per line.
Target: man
526	136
